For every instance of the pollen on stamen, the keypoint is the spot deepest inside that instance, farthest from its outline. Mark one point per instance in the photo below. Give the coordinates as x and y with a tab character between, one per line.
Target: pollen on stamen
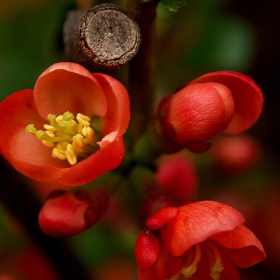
58	153
70	155
48	143
49	127
69	139
84	120
217	267
190	270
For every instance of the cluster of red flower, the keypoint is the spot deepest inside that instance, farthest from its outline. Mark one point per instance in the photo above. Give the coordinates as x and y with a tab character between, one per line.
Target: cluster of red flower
182	238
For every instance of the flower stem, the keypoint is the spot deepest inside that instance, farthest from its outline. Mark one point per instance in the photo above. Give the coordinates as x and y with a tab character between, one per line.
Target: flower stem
142	68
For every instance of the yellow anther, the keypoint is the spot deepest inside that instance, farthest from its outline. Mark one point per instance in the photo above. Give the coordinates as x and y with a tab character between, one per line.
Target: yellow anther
69	139
70	149
50	133
48	143
78	140
79	128
49	127
84	120
59	118
191	265
70	155
84	131
89	135
190	270
217	267
58	153
74	124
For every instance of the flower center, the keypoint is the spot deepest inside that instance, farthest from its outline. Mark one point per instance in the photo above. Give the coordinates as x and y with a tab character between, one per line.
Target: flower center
69	139
215	260
194	257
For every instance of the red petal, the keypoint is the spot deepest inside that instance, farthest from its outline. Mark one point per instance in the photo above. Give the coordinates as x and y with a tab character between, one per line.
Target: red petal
118	113
247	97
70	87
200	111
243	247
195	222
146	251
28	155
161	218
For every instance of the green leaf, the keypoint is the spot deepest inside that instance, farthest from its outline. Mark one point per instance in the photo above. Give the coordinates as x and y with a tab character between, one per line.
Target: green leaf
173	5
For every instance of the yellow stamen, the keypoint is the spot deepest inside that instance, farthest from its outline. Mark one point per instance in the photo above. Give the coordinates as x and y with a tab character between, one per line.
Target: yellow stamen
188	271
48	143
58	153
69	139
84	120
217	268
49	127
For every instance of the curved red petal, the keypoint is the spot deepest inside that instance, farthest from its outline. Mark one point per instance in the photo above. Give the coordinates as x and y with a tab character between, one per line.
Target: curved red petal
67	86
195	222
94	165
28	155
200	111
161	218
146	251
243	247
118	113
247	95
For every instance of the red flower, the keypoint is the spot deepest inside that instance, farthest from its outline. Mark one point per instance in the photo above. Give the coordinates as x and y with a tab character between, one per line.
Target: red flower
70	213
216	102
65	90
201	240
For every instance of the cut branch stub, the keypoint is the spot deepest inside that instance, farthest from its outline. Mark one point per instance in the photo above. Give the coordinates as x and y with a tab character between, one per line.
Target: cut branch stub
105	36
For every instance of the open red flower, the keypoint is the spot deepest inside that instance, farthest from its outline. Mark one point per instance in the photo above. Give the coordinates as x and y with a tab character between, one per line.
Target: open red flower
216	102
83	117
201	240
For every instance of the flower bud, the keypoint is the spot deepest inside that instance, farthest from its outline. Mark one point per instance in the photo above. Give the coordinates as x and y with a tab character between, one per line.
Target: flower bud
199	112
216	102
68	213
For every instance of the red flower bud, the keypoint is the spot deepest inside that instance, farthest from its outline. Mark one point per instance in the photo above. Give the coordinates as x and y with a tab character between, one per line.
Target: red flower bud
213	103
70	213
200	111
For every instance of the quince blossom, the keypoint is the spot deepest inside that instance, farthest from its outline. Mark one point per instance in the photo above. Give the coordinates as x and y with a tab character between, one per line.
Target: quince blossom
79	119
200	240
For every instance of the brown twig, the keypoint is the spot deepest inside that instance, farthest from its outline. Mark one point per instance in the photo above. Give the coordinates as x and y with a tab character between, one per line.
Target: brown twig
103	37
142	68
